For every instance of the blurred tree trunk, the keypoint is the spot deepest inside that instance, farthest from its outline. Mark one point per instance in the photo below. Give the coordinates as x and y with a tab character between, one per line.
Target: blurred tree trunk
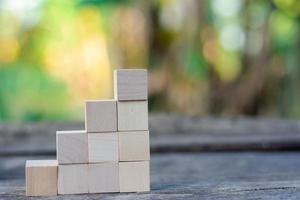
170	51
243	96
291	84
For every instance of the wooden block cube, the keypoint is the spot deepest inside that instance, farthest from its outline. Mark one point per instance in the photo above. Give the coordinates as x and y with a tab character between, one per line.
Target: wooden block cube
130	84
73	179
132	115
134	176
134	146
101	116
72	147
103	147
104	177
41	177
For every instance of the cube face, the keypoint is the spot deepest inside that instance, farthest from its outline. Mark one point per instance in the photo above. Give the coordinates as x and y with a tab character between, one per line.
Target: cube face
132	115
104	177
41	178
134	146
73	179
101	116
134	176
103	147
72	147
130	84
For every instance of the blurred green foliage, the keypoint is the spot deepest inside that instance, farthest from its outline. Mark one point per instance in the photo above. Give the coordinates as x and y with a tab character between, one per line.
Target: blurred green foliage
26	93
209	57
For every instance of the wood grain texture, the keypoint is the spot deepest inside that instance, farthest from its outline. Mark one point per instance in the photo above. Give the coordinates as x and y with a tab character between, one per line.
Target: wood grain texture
132	115
41	178
130	84
101	116
103	147
104	177
73	179
71	147
134	176
169	133
209	176
134	146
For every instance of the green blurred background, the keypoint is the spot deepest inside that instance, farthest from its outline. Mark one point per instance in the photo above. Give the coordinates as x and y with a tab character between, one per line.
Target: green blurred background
205	57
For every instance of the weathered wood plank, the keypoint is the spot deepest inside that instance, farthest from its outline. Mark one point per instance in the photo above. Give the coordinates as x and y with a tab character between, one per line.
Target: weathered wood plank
268	175
45	145
168	133
168	124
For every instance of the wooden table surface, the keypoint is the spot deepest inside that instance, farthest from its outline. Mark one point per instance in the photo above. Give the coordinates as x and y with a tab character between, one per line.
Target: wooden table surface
192	158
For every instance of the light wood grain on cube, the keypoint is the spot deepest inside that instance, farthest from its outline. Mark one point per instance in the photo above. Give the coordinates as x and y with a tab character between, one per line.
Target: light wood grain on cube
132	115
73	179
134	176
134	146
130	84
72	147
41	178
103	147
101	116
104	177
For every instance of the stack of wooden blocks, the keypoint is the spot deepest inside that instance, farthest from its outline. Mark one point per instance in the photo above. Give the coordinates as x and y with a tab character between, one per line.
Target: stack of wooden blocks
111	155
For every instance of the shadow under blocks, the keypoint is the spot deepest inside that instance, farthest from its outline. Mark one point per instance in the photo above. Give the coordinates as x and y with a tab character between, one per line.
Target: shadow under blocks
112	154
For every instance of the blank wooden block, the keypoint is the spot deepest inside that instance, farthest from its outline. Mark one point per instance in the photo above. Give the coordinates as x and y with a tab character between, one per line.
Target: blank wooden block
130	84
132	115
104	177
103	147
101	116
134	146
41	178
72	147
73	179
134	176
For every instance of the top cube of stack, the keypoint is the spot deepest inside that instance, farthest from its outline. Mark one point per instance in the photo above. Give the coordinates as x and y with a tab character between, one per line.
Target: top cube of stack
130	84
